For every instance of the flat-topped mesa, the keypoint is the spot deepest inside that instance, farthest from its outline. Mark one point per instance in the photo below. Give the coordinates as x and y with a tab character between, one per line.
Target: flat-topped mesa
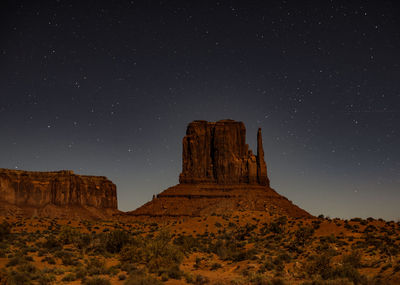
58	188
216	152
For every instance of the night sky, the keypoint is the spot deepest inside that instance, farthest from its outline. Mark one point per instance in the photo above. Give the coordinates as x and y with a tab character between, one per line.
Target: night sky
108	88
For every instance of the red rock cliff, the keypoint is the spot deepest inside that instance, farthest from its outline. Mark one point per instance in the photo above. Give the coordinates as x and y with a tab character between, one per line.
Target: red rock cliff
60	188
219	175
216	152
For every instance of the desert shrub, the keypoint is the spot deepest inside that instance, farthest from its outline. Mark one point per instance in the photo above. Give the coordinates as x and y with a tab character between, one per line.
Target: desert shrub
128	267
278	225
353	259
215	266
134	252
96	266
5	230
347	270
18	259
258	279
187	243
121	277
49	260
268	265
52	243
68	235
18	278
116	240
24	275
302	235
283	257
69	277
200	280
350	273
67	258
158	254
141	278
231	250
328	239
83	240
356	220
46	279
320	265
80	272
97	244
96	281
276	281
172	272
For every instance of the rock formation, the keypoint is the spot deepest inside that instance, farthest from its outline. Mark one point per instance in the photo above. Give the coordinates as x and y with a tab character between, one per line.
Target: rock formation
60	190
219	174
218	153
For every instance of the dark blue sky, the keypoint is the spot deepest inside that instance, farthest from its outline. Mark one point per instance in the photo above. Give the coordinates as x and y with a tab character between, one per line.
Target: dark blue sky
108	87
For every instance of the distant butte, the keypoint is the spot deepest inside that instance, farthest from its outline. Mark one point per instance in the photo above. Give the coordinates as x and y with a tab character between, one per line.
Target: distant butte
219	174
218	153
56	194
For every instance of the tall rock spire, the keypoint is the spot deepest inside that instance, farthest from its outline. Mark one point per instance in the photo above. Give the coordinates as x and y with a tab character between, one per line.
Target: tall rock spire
262	177
220	174
216	152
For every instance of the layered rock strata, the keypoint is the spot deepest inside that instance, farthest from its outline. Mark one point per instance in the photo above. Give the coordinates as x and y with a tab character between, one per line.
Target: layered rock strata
216	152
220	174
56	190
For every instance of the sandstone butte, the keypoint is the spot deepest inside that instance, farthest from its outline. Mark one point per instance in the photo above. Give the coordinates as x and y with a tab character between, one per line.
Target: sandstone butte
60	194
220	174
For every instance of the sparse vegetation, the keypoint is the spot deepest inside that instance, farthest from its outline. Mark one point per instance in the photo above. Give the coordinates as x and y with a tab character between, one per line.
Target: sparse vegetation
254	250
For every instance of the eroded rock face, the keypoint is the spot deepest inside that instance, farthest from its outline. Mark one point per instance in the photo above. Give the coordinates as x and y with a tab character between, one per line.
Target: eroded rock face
219	175
216	152
60	188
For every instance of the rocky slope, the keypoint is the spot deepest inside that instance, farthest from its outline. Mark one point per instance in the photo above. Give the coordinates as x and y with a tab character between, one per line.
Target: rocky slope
56	193
219	174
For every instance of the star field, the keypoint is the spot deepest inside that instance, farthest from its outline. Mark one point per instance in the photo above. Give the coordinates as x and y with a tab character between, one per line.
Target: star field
108	87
